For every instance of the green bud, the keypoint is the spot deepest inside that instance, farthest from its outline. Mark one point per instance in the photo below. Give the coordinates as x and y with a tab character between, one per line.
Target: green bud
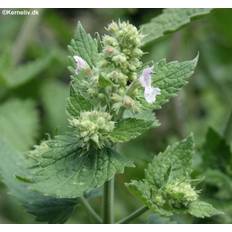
93	127
180	193
159	200
119	59
38	150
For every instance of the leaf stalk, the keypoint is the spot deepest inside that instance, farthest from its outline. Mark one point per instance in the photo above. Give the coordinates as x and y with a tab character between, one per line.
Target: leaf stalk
108	202
91	211
133	215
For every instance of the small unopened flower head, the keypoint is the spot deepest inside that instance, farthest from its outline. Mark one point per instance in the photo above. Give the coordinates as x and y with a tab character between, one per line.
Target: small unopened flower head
80	64
180	193
121	49
93	127
38	150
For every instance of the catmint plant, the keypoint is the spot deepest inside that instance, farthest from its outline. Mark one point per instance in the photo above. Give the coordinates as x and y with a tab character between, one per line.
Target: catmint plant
113	99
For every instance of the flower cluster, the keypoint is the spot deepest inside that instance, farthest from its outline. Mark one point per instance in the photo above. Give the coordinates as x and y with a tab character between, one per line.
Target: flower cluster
121	52
38	150
119	68
120	64
176	195
92	127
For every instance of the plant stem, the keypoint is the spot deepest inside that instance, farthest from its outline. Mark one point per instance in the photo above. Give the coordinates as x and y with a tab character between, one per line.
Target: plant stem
134	215
108	202
91	210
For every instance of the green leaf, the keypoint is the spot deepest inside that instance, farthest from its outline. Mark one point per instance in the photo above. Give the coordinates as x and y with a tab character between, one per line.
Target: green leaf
44	208
174	163
170	20
50	209
77	103
202	209
19	123
216	164
129	128
221	181
54	95
26	72
84	46
60	167
166	188
216	153
170	78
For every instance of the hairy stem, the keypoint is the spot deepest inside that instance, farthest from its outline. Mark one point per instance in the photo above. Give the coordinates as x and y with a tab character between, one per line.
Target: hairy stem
134	215
108	202
91	210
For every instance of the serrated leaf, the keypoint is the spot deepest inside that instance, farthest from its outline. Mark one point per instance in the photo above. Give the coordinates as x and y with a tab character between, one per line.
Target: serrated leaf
170	20
216	165
170	78
64	171
50	209
129	128
19	123
174	163
84	46
77	103
221	181
216	152
44	208
202	209
166	188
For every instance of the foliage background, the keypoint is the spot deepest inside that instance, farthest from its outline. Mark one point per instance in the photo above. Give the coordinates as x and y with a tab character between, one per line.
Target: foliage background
33	61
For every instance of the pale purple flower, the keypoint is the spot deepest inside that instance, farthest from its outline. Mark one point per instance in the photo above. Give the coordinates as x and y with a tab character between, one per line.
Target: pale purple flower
150	92
145	78
80	63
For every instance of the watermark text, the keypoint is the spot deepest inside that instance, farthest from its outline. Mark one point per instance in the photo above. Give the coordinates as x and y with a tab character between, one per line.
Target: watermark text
14	12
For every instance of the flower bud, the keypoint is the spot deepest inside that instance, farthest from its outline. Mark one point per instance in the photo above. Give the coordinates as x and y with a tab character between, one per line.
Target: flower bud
180	193
93	127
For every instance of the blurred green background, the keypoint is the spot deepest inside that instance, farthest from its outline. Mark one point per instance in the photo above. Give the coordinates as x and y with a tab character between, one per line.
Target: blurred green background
34	84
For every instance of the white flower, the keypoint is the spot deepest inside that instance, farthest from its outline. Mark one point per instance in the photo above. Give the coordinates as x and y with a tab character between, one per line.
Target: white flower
80	63
150	92
145	78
